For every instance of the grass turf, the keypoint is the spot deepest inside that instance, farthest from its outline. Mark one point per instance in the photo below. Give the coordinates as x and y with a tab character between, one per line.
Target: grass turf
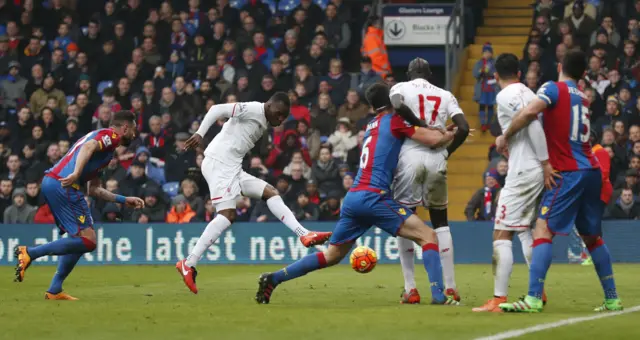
151	302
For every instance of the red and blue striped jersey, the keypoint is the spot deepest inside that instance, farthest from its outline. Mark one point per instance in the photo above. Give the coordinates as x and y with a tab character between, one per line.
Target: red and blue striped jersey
380	152
107	140
567	127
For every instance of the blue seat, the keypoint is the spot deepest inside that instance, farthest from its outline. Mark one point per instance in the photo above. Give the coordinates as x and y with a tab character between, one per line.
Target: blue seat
275	42
197	83
84	30
103	85
70	100
171	189
324	139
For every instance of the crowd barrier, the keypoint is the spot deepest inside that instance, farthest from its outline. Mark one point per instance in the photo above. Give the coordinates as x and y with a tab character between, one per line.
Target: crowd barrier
273	243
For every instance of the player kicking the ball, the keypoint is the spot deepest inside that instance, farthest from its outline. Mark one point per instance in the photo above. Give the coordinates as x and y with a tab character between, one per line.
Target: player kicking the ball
525	180
422	171
61	188
576	197
222	169
368	202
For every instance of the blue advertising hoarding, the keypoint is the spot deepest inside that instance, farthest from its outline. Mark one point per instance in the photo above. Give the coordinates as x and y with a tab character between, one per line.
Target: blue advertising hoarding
262	243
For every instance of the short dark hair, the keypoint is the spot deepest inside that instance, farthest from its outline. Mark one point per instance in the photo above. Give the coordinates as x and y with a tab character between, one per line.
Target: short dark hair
419	68
507	66
282	97
378	96
109	92
123	116
574	64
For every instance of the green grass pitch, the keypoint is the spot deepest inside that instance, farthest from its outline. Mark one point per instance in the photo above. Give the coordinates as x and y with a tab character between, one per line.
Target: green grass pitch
151	302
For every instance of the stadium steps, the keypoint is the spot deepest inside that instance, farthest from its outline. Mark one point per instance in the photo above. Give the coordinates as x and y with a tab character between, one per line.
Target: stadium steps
506	25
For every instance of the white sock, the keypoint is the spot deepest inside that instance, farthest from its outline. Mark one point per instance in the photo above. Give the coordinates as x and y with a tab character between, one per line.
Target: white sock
284	214
214	229
526	240
503	264
445	243
407	256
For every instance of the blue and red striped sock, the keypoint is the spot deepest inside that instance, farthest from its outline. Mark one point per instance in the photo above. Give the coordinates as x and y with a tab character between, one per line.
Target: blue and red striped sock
63	246
540	263
602	262
301	267
433	266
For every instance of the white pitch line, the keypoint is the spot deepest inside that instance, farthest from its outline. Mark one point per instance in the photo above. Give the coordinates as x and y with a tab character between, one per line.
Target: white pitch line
551	325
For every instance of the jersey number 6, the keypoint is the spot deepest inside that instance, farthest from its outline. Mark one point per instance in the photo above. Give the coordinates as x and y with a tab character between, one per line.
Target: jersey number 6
436	105
364	157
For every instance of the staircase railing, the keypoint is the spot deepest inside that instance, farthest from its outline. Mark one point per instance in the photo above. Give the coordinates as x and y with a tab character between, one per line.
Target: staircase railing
454	43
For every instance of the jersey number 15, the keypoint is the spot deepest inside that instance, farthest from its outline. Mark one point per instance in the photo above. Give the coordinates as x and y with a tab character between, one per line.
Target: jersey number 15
580	127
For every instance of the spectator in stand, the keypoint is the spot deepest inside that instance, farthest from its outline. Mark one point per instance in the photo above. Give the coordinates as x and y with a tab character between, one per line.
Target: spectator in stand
312	190
254	69
263	53
615	84
342	140
482	206
154	167
634	136
365	78
485	88
6	188
546	34
353	109
189	189
179	160
582	24
19	212
12	88
39	98
330	208
318	60
305	77
609	29
44	215
315	15
154	210
628	62
180	211
612	114
298	111
626	207
373	47
324	116
325	172
281	156
347	182
337	31
630	182
283	81
175	67
267	88
532	81
304	210
353	156
136	181
297	159
338	81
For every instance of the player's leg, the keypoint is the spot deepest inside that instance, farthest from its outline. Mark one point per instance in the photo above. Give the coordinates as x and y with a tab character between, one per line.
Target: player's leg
348	229
224	187
72	217
408	187
437	199
589	225
502	261
558	212
257	188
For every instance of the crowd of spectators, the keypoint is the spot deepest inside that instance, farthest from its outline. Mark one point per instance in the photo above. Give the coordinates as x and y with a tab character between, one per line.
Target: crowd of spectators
67	66
609	32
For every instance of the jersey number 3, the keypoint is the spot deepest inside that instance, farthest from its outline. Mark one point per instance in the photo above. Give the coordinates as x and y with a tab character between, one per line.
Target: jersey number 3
436	106
580	127
364	157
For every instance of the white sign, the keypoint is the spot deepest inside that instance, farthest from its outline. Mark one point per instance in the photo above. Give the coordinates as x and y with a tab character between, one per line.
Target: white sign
415	30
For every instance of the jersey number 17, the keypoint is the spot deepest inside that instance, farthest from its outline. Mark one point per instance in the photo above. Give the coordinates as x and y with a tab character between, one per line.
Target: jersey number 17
436	105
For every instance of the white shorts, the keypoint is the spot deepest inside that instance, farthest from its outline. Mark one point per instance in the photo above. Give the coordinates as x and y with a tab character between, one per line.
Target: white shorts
518	202
227	183
421	179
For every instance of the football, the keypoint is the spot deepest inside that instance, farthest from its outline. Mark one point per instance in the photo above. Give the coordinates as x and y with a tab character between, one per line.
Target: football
363	259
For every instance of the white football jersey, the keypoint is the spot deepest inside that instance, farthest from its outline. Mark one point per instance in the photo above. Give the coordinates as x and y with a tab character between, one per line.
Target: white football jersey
428	102
240	133
522	155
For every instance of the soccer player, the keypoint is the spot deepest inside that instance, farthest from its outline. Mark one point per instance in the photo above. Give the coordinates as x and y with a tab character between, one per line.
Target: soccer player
575	197
422	171
524	183
61	188
222	169
368	202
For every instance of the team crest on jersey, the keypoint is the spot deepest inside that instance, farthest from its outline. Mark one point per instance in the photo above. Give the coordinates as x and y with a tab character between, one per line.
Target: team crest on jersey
81	218
106	140
402	212
544	210
114	136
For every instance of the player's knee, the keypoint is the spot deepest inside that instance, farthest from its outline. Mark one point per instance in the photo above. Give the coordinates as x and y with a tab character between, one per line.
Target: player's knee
426	236
502	235
590	241
230	214
542	230
269	191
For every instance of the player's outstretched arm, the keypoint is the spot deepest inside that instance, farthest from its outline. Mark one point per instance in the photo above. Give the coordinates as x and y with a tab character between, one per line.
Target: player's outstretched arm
432	138
525	116
96	191
86	150
216	112
461	133
397	101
